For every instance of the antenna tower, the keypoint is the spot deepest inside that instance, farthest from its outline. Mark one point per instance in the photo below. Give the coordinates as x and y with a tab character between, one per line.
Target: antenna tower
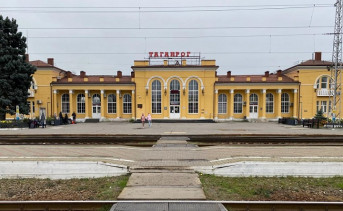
336	83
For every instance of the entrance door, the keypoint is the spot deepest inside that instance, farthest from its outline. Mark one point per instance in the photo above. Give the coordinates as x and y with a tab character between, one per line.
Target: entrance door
253	110
174	112
96	106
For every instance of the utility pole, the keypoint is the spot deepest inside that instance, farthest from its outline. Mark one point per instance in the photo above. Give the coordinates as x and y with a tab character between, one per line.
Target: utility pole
336	86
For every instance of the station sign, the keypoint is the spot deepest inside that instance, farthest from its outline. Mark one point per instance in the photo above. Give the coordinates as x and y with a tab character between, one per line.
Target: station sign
168	54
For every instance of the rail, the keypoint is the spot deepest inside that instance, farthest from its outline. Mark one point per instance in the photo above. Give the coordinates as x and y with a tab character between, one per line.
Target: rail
230	205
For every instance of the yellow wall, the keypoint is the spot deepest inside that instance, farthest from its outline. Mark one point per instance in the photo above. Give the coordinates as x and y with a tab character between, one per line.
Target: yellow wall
145	77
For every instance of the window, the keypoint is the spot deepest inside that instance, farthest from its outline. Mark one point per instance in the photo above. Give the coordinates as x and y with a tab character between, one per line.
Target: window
222	104
237	104
284	103
156	97
65	103
193	90
324	82
323	106
111	104
174	92
33	107
127	104
29	105
96	99
317	106
269	103
81	106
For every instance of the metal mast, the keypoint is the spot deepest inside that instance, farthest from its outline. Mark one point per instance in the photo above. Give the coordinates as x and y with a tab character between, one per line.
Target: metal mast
335	89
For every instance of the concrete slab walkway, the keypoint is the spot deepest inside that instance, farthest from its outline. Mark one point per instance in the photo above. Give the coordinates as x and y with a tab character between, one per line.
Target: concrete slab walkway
164	181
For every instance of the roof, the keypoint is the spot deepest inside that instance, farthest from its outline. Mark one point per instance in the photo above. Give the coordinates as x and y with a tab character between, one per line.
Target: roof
176	66
39	63
272	78
95	79
309	63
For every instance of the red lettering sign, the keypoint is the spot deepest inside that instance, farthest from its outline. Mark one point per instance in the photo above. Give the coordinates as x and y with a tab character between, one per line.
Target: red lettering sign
169	54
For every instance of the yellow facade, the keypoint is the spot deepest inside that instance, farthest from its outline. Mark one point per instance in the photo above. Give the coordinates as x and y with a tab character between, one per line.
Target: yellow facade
182	91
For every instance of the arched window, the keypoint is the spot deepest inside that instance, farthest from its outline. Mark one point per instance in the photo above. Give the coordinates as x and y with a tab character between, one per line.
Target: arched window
156	97
96	99
193	99
284	103
270	103
324	82
111	104
81	106
127	108
65	103
222	104
238	104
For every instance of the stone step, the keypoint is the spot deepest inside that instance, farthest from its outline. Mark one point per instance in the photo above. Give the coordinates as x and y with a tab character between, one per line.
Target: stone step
164	179
160	169
161	193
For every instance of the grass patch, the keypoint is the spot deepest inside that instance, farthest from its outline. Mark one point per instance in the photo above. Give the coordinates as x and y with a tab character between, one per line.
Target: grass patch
106	188
272	188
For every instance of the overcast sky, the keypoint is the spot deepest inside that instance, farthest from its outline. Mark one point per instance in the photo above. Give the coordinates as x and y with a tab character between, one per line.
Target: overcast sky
103	36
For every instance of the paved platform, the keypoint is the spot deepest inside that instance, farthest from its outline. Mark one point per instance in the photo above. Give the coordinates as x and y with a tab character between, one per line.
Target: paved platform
124	127
161	185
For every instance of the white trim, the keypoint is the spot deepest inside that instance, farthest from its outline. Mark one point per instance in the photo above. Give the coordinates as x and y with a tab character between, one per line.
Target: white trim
232	91
55	91
159	77
71	91
247	91
102	91
175	76
196	77
264	91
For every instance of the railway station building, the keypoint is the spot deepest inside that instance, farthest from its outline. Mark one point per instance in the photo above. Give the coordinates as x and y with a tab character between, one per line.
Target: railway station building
181	86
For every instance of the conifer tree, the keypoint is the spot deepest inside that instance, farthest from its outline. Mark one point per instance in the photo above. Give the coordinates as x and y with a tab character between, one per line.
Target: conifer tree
15	72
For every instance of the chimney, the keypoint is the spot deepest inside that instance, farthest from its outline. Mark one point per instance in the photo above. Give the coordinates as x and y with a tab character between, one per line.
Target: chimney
318	56
119	74
51	61
132	74
82	74
27	58
228	74
266	74
69	75
278	73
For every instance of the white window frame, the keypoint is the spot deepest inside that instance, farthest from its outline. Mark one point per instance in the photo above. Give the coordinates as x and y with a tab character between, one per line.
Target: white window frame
269	104
193	92
81	104
156	90
237	105
222	104
285	103
112	103
65	104
127	104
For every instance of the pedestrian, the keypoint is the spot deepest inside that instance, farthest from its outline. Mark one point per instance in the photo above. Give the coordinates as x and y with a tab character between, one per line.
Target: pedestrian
60	116
143	119
149	119
43	120
66	119
74	117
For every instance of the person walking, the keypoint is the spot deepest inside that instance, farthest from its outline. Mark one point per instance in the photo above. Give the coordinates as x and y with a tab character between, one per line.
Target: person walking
149	119
43	120
143	119
74	117
61	118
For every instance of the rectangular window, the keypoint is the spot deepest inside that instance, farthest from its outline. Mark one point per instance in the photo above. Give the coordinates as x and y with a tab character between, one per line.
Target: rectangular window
324	104
29	104
324	82
318	106
81	108
33	107
238	107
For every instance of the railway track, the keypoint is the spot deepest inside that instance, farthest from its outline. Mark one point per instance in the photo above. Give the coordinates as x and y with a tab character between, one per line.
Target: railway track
230	205
328	140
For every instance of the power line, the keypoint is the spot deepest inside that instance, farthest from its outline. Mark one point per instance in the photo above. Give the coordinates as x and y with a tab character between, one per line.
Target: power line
164	7
177	37
172	28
